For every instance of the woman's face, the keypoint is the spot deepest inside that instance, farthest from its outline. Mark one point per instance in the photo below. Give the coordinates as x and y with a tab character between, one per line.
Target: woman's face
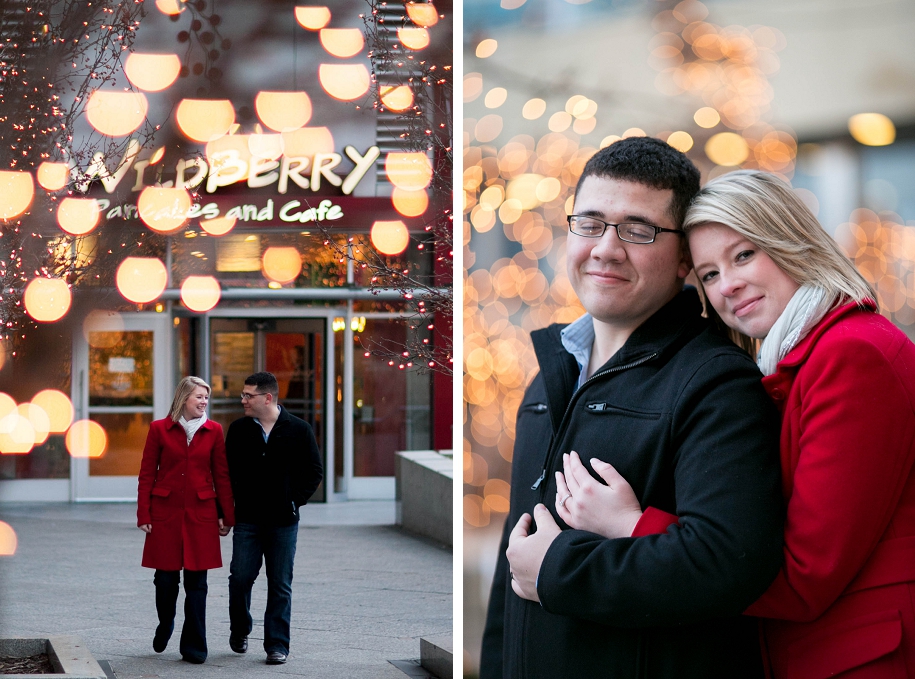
196	403
748	290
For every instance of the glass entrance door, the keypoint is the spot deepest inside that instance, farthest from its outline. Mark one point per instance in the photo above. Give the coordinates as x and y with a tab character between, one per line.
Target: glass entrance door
122	371
292	349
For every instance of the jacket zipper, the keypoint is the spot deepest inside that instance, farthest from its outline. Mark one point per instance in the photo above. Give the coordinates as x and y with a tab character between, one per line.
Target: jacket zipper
550	454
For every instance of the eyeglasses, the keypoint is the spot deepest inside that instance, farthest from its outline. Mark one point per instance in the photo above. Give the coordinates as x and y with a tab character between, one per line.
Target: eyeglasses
630	232
246	396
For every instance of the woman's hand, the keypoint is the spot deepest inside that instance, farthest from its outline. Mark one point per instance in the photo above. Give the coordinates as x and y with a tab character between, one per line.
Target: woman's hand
585	503
223	528
145	527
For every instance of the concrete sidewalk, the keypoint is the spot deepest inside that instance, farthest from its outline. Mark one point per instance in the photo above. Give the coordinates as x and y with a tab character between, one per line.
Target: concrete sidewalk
364	593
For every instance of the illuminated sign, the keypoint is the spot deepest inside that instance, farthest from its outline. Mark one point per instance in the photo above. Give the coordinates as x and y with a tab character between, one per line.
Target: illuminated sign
230	166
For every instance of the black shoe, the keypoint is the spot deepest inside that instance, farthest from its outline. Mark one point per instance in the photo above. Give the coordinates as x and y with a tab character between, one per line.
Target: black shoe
276	658
238	644
193	659
160	640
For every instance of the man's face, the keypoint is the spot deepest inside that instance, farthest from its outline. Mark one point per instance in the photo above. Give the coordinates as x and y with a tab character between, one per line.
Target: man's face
622	284
255	402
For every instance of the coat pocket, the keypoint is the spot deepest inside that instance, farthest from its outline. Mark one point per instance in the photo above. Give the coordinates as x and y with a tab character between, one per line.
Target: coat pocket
159	507
868	645
206	504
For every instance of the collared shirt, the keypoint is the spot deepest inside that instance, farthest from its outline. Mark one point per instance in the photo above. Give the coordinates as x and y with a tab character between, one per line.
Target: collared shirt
264	431
578	338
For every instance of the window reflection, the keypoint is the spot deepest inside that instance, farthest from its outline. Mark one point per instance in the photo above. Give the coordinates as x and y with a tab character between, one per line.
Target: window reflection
120	368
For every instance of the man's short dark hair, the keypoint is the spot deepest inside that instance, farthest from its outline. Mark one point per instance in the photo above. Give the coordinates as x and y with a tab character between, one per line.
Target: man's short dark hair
265	383
648	161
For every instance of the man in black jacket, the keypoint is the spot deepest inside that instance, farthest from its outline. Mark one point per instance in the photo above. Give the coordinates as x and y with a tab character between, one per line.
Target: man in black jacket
642	382
275	466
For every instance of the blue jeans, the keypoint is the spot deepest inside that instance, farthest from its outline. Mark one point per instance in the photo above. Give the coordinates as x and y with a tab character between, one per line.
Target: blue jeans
251	546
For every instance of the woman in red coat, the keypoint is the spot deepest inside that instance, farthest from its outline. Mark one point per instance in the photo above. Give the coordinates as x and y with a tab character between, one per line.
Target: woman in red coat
184	505
843	378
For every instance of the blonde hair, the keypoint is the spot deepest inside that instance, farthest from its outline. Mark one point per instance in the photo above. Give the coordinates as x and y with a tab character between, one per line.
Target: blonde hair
185	388
766	211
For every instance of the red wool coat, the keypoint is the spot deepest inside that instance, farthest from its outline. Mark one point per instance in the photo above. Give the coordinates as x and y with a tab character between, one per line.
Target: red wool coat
844	602
178	490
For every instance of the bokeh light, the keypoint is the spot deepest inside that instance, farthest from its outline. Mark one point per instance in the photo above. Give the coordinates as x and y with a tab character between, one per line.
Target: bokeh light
47	299
398	98
682	141
38	418
152	72
312	17
409	171
204	120
345	82
533	109
57	406
308	141
486	48
8	540
200	293
116	114
218	226
282	264
707	117
17	435
872	129
16	192
390	237
78	216
727	148
283	111
414	38
141	279
53	176
170	7
164	209
86	439
410	203
342	42
422	13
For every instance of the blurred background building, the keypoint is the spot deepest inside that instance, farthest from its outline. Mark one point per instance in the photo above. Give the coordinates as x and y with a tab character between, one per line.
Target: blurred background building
821	93
216	189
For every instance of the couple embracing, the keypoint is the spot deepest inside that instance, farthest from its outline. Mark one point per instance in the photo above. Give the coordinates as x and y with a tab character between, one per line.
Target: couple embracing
678	509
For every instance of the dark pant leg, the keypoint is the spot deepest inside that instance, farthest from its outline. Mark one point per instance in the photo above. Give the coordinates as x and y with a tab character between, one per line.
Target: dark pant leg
247	555
194	632
279	555
166	600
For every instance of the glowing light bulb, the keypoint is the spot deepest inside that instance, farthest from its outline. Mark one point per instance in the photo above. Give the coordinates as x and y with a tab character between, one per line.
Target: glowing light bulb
282	264
409	171
53	176
314	18
164	209
86	438
58	407
205	119
342	42
422	13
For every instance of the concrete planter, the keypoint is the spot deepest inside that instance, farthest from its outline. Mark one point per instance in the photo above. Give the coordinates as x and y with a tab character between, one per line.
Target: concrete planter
69	656
424	482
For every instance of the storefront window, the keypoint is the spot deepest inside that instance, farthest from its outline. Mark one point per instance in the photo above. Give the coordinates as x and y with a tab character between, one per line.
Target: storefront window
391	406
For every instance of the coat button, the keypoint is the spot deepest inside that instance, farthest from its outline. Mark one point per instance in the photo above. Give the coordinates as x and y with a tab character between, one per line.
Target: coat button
777	395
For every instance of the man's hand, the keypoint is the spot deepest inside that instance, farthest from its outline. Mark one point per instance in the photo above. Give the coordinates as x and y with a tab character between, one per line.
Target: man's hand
526	551
585	503
223	528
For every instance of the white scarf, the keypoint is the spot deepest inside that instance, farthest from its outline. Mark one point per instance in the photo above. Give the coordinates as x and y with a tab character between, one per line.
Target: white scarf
191	426
807	307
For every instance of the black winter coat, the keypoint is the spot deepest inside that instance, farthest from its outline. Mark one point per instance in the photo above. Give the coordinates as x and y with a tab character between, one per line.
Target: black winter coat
272	479
681	413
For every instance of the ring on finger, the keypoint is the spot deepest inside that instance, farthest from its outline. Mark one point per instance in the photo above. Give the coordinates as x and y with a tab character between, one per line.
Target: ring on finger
562	502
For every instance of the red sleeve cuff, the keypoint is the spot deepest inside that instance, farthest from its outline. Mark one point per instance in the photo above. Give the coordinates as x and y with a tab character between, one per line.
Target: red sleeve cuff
654	521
